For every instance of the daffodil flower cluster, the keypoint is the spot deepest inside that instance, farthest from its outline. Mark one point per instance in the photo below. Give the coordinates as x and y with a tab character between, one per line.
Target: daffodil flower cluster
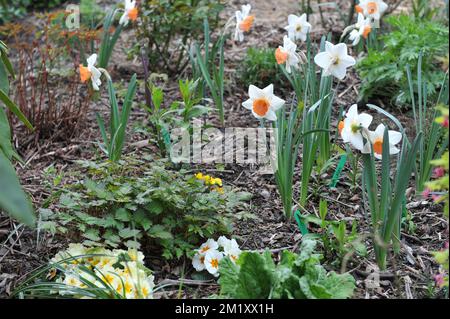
120	270
214	183
210	253
354	129
369	14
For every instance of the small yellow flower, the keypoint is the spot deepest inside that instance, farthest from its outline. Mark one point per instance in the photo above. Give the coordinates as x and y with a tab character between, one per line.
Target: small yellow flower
199	176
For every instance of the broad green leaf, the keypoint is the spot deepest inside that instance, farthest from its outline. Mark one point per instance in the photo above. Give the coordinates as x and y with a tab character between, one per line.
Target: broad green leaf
13	199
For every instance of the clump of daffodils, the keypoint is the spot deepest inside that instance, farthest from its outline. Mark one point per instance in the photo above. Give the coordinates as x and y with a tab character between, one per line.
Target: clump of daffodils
214	183
118	272
354	129
210	253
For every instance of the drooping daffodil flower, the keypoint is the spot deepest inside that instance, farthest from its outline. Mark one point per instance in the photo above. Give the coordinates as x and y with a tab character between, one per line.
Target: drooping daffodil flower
91	72
334	60
131	12
286	54
263	103
362	28
244	22
350	127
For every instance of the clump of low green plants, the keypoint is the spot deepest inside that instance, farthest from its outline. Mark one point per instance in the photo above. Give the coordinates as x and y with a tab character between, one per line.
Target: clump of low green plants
296	276
142	202
383	72
260	68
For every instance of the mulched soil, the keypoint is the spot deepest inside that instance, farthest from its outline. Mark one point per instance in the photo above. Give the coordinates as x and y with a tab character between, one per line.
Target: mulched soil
410	274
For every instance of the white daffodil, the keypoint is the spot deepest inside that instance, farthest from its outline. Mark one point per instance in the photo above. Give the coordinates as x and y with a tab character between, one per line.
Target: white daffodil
198	262
362	29
372	8
298	27
212	259
131	12
334	60
286	54
350	127
263	103
376	138
210	245
244	22
91	72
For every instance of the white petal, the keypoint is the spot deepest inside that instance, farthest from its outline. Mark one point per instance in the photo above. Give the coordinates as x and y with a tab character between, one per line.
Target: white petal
323	60
271	116
329	47
248	104
347	61
255	92
292	19
340	50
352	112
92	60
393	150
379	131
365	119
338	71
276	103
394	137
366	149
124	19
268	90
357	141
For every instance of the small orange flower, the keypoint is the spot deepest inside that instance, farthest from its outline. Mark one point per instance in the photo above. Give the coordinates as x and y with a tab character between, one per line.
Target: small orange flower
281	56
133	14
247	23
85	74
261	106
359	9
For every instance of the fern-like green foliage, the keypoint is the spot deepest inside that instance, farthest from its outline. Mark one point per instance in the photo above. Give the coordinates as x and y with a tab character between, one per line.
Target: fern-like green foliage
383	72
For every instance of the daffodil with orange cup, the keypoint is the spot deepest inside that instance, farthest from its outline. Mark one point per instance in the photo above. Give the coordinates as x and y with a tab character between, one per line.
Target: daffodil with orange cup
263	103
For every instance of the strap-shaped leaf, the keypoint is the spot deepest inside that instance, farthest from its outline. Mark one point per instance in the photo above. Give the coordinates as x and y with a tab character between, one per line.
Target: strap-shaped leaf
13	199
